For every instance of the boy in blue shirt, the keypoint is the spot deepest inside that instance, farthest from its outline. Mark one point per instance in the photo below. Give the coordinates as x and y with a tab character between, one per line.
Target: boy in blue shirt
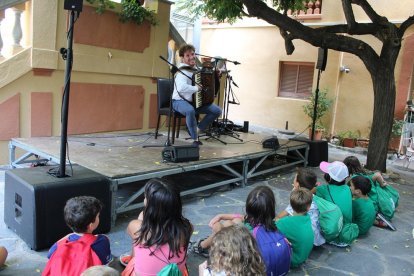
82	216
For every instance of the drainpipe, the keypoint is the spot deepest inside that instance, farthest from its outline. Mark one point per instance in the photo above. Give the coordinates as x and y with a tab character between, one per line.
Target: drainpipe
338	87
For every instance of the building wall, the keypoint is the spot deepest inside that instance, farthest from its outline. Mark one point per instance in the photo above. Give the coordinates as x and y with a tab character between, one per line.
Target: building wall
113	84
260	49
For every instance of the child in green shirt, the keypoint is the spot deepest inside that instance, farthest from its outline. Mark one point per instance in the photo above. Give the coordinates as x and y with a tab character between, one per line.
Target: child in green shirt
298	228
363	209
336	191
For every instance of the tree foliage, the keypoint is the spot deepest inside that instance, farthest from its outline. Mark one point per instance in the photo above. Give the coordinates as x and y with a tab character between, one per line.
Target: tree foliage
340	37
132	10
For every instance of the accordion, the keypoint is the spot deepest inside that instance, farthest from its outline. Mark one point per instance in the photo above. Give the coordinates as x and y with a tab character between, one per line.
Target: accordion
207	78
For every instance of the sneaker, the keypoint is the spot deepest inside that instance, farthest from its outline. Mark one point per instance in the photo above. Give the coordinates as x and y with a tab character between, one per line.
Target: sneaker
402	156
200	250
125	258
339	244
382	222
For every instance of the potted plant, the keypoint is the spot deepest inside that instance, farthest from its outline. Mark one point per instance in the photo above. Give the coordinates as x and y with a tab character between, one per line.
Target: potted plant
396	132
348	138
323	106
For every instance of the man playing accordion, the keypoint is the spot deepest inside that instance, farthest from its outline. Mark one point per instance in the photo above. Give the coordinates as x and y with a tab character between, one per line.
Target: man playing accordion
183	95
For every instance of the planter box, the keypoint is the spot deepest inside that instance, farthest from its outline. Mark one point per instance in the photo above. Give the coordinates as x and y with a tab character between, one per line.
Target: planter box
349	142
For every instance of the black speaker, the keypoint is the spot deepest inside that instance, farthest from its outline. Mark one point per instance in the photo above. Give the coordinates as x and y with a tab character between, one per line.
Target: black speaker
322	58
181	153
246	126
73	5
271	143
34	202
318	151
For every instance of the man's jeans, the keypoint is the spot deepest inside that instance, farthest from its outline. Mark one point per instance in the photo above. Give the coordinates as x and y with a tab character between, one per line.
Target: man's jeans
212	112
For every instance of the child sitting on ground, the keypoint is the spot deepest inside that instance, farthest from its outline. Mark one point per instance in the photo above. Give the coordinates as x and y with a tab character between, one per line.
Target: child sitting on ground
260	212
298	228
362	207
305	178
355	168
336	191
161	234
100	270
79	250
233	252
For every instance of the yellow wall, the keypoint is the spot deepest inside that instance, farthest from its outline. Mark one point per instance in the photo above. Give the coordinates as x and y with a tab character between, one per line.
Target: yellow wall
259	47
91	64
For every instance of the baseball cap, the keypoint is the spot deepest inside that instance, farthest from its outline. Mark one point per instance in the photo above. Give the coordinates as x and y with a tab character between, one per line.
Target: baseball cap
337	170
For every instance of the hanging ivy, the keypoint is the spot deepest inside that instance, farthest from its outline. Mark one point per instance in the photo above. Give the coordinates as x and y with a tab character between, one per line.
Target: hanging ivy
132	10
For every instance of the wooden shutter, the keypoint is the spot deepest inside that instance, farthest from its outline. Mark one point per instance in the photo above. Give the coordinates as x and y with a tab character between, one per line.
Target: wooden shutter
296	79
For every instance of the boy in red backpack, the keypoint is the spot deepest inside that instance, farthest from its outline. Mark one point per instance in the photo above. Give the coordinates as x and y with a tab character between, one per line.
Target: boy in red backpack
77	251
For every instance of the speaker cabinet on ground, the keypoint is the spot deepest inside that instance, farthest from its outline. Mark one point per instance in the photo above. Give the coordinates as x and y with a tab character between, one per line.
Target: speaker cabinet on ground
318	151
34	202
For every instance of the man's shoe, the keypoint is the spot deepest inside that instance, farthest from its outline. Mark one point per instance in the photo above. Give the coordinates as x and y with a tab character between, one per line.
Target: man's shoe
197	143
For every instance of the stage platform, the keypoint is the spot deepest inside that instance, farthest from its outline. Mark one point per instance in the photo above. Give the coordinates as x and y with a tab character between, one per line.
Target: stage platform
122	159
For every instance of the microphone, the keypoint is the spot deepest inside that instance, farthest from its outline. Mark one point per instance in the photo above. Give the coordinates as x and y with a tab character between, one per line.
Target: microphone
233	102
236	63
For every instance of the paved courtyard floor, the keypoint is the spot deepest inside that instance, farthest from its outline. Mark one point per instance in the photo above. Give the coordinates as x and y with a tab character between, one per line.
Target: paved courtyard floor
381	252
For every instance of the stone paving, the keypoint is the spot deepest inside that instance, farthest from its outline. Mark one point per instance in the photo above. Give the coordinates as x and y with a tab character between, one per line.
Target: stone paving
381	252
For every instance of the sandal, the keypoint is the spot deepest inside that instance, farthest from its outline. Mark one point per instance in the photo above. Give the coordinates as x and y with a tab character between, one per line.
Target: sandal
125	258
198	249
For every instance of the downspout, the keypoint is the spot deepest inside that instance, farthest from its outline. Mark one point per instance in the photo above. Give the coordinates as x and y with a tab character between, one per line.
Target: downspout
338	87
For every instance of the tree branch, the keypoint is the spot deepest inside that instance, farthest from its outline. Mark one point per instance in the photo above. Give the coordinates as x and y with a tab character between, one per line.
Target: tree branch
375	18
349	14
405	25
360	29
290	48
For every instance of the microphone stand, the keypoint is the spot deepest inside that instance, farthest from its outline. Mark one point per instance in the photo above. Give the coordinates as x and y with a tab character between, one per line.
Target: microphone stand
227	86
219	58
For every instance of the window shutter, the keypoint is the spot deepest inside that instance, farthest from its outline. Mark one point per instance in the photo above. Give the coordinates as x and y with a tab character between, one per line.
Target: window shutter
296	79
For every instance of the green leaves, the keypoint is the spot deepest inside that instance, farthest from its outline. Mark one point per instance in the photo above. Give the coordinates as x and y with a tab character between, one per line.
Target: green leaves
133	11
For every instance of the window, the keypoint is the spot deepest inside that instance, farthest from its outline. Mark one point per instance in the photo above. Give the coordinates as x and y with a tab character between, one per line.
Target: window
296	79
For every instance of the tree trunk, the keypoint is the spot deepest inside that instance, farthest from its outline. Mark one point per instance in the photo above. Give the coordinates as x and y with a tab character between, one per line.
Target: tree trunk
384	104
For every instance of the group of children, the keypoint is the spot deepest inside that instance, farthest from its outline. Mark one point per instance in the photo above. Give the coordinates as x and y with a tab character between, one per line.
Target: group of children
256	243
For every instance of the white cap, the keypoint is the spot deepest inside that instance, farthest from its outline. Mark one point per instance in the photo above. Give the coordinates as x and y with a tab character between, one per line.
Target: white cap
337	170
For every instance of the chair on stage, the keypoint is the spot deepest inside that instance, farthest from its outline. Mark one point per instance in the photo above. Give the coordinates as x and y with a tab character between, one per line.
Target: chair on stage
164	92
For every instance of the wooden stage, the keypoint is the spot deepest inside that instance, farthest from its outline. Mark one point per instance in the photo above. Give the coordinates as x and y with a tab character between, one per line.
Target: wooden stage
122	159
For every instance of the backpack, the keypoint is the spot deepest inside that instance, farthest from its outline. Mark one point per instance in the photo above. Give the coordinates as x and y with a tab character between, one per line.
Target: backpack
275	250
330	218
170	270
72	257
387	201
349	233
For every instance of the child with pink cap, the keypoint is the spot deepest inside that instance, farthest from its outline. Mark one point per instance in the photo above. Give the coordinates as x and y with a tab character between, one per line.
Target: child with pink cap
337	192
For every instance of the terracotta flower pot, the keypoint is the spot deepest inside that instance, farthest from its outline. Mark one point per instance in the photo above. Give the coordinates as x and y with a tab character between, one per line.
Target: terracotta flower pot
349	142
317	135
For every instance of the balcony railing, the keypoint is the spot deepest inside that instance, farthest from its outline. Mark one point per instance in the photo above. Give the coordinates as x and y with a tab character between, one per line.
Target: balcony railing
313	10
13	37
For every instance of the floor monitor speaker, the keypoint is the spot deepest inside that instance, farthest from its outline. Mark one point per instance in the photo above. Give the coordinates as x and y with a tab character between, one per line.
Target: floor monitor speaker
34	202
